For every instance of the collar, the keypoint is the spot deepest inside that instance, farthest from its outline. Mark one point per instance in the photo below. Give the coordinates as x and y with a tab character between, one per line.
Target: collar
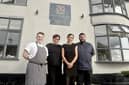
40	45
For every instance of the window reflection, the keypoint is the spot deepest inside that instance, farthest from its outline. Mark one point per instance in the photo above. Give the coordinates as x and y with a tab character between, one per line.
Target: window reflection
118	6
12	45
15	24
10	30
124	42
4	23
8	1
126	29
16	2
96	1
102	42
103	55
1	50
97	9
20	2
116	55
100	30
114	42
2	42
126	55
108	6
115	28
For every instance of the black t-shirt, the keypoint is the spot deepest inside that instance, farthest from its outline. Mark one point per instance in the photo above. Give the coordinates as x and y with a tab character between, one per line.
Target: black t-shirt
54	58
69	51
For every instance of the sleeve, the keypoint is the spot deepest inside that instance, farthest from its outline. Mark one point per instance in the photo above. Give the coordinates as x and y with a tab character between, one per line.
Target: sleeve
47	45
93	52
28	47
46	50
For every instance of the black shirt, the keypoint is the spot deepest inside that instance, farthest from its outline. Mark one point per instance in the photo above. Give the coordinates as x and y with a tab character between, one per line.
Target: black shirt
69	51
54	51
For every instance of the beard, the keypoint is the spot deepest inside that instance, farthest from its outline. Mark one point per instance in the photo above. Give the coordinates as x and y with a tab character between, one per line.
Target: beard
82	41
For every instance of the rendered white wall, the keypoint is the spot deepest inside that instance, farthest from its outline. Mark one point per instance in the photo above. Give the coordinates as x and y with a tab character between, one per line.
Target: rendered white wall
35	23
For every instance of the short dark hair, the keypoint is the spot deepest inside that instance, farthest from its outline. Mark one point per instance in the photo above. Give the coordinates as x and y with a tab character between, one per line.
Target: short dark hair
70	34
56	35
40	33
82	34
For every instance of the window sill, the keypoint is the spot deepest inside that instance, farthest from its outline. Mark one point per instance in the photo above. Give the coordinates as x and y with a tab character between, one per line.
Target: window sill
123	62
99	14
9	59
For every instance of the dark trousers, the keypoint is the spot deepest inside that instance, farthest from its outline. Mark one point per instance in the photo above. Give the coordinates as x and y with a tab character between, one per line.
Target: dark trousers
84	77
70	80
54	75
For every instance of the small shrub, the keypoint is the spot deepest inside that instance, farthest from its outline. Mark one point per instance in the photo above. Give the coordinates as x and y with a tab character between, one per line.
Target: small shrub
125	73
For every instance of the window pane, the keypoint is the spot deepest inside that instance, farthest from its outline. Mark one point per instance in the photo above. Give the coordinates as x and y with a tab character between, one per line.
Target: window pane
116	55
124	42
108	6
124	12
100	30
97	9
4	23
8	1
114	33
1	50
126	29
124	8
13	40
96	1
2	42
126	55
114	42
115	28
20	2
15	24
118	6
102	42
103	55
2	37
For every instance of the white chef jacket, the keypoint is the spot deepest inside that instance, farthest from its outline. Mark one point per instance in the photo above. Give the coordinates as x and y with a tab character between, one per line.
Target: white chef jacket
32	49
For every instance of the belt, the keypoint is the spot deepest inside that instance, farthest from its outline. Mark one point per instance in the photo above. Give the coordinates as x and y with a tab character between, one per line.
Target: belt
41	64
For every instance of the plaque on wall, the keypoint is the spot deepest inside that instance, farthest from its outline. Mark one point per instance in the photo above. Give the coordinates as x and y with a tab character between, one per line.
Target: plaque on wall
60	14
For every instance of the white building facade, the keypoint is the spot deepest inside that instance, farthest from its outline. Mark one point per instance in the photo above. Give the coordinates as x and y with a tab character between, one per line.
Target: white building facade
105	22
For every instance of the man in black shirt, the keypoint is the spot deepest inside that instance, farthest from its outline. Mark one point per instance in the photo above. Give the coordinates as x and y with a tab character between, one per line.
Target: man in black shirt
54	61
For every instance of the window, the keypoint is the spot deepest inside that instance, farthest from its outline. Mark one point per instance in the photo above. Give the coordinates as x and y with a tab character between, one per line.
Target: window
60	14
108	6
10	32
96	1
112	43
97	9
16	2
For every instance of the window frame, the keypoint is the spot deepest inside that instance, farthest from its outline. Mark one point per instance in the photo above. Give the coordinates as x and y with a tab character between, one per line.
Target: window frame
109	48
1	2
3	57
103	9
